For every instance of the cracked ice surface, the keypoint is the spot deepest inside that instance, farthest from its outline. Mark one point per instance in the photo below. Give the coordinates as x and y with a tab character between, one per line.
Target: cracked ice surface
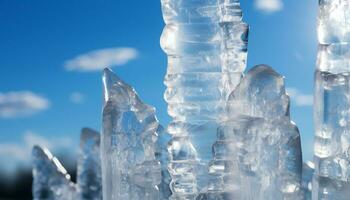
332	107
51	180
257	154
130	169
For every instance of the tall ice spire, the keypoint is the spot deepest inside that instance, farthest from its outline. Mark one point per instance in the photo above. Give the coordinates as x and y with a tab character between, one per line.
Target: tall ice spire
332	102
206	44
130	169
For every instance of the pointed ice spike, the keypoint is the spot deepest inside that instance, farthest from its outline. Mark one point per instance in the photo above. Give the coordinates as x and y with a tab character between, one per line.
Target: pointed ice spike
50	179
89	166
115	89
128	144
257	154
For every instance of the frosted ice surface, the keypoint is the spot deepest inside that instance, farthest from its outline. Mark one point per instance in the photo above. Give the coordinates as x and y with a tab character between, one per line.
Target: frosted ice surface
257	154
334	23
50	179
130	169
334	36
206	44
89	179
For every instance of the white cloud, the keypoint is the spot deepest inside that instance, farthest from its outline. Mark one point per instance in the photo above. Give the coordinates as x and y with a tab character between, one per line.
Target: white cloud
299	98
30	139
13	155
76	97
99	59
269	6
21	103
14	151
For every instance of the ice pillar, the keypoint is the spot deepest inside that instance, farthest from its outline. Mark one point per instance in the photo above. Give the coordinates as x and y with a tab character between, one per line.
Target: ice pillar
206	44
332	102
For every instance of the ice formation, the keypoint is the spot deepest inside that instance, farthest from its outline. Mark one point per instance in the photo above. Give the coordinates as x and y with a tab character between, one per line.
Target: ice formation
206	44
51	180
257	154
163	157
130	169
307	175
89	176
332	103
230	137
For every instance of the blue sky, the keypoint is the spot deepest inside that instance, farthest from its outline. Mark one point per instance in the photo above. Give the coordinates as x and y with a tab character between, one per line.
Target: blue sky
45	98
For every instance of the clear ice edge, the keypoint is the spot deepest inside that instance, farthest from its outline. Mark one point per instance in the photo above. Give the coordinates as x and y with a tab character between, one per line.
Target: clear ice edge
129	148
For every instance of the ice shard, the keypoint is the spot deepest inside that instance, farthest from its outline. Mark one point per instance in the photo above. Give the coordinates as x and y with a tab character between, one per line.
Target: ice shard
332	103
130	169
206	44
89	179
257	154
50	179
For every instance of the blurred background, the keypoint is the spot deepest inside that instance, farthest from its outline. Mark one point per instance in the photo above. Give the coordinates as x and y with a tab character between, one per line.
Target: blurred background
52	54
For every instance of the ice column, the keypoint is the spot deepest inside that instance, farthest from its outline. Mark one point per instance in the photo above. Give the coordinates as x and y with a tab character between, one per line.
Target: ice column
257	154
130	169
332	102
206	44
